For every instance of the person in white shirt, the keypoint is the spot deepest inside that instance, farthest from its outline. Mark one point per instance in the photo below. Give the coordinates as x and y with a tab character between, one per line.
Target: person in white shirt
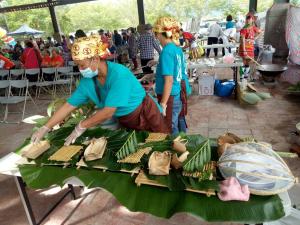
214	32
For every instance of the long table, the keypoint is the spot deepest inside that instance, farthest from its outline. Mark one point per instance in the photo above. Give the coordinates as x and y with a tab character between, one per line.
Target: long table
72	176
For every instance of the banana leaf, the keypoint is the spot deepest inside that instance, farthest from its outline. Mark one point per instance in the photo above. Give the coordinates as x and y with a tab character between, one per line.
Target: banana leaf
128	147
198	158
158	201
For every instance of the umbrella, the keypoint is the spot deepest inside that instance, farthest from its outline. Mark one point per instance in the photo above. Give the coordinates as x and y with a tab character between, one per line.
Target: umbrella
25	30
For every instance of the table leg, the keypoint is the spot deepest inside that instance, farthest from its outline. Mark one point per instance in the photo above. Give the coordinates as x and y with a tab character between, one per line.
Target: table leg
235	78
25	201
27	206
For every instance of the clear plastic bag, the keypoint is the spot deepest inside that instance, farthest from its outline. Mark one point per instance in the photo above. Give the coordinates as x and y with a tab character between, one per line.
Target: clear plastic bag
258	166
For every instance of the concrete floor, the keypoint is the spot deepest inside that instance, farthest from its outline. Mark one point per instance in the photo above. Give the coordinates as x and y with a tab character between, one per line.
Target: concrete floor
270	121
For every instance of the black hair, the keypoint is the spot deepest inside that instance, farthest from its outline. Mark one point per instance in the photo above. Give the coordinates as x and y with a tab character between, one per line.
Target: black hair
29	44
132	30
229	18
165	35
249	17
79	33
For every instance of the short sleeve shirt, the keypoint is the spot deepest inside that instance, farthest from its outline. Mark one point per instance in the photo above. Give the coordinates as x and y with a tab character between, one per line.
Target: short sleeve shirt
121	90
171	63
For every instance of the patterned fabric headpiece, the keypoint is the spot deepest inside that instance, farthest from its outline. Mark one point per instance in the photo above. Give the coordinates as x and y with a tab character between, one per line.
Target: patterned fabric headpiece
88	47
168	25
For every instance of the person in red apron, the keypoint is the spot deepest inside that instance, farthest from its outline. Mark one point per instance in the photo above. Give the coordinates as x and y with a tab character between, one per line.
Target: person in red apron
114	90
247	38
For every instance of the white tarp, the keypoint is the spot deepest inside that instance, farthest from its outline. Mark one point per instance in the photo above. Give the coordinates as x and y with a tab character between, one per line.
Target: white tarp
293	34
25	30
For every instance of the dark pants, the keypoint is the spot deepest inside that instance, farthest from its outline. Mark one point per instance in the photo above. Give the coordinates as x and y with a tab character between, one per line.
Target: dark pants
146	69
212	41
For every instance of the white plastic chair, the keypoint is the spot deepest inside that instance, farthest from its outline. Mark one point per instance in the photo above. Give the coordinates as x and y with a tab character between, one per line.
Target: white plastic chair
15	99
64	76
4	74
16	74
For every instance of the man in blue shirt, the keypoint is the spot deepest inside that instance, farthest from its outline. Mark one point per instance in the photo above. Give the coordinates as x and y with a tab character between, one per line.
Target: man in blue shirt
112	87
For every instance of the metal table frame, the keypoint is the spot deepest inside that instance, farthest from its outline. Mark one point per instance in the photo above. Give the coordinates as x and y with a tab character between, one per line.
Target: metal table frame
234	66
21	185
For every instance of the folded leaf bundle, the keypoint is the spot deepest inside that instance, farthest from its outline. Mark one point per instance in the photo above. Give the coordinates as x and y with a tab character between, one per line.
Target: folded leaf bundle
96	149
65	153
198	158
159	163
135	157
32	151
153	137
128	147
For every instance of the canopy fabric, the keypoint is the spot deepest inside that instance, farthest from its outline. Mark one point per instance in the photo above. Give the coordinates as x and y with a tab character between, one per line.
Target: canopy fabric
25	30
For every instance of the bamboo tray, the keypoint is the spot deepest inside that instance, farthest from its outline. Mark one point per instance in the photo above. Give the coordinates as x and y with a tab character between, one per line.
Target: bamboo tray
143	179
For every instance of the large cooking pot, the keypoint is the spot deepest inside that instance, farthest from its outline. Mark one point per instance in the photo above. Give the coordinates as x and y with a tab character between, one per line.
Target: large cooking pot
270	71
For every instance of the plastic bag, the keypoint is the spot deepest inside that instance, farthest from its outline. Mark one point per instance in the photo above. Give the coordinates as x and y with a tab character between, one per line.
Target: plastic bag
224	89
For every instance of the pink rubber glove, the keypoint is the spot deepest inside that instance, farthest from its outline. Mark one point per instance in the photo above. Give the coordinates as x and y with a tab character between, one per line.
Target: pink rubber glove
230	189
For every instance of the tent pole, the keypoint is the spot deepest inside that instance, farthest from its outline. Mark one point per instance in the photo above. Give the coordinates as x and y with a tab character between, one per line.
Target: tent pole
55	24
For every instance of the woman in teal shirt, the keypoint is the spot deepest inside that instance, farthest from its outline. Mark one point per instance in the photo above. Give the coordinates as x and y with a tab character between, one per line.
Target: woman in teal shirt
114	90
170	70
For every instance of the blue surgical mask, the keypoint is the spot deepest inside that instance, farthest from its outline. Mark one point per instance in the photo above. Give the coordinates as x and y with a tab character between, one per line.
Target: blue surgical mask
89	73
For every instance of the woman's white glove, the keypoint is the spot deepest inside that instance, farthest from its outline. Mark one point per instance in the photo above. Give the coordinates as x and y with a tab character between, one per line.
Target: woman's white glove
74	135
151	63
39	134
164	109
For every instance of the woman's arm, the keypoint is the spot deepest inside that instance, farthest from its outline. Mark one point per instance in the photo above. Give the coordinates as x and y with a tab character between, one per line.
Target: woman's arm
99	117
60	115
167	89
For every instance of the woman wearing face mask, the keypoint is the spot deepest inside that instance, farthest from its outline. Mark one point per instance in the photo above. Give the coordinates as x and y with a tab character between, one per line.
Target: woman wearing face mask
114	90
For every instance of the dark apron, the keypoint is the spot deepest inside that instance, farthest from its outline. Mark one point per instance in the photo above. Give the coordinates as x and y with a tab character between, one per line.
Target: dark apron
183	98
146	117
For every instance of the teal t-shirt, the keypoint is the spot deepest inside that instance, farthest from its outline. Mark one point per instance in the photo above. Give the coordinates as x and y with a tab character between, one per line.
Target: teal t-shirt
171	63
121	90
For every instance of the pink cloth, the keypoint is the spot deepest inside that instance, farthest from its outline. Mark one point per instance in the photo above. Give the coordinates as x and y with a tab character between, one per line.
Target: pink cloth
30	58
230	189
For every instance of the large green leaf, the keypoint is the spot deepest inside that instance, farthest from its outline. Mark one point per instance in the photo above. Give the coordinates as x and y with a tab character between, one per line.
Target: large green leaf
128	147
159	201
197	159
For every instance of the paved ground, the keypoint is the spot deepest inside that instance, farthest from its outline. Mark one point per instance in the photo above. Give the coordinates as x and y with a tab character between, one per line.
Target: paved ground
270	121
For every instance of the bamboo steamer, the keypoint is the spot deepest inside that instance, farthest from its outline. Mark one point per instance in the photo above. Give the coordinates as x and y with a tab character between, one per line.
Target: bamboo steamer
258	166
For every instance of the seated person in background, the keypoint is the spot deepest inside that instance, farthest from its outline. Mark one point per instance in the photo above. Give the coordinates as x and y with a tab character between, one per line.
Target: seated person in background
46	62
56	60
5	63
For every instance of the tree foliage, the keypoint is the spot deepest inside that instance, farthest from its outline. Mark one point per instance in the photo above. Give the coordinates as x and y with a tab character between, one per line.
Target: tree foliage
117	14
